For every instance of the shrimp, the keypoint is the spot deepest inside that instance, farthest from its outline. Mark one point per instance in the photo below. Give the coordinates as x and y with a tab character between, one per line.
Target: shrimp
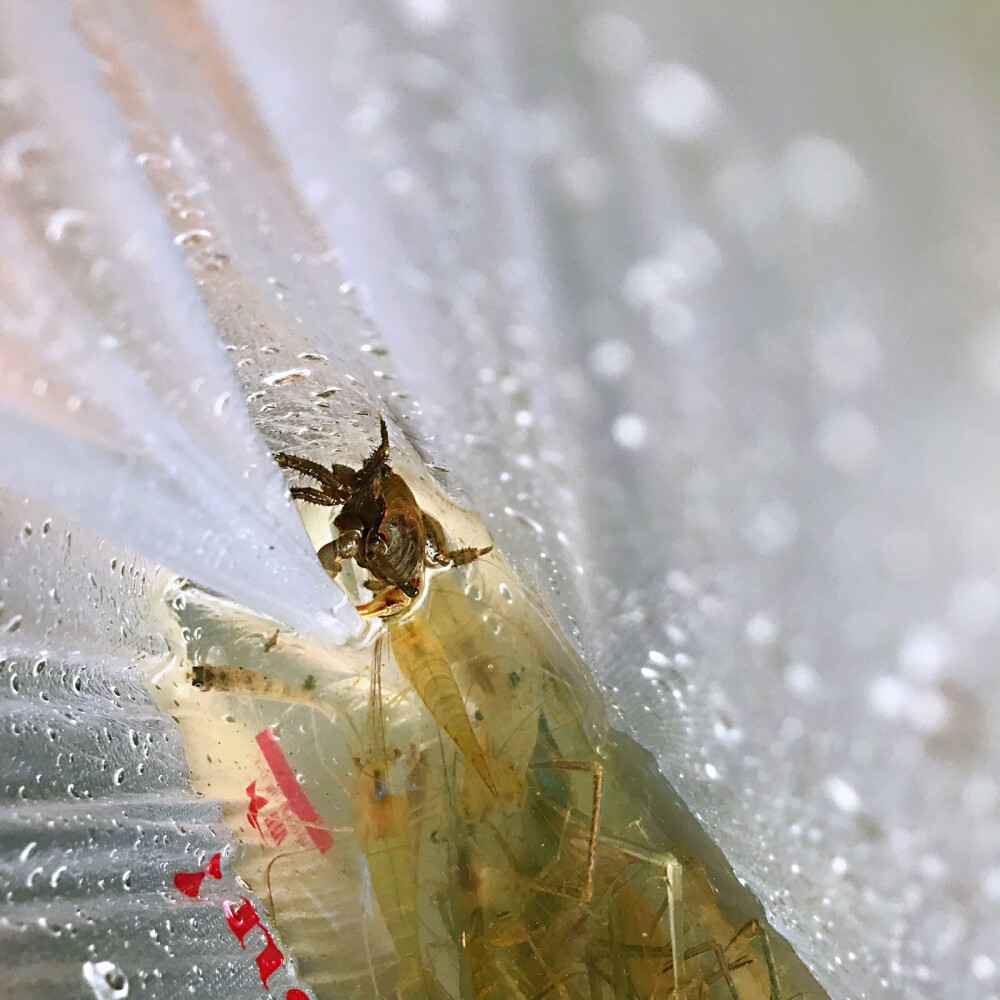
238	680
496	663
489	979
384	825
504	960
422	661
656	929
388	837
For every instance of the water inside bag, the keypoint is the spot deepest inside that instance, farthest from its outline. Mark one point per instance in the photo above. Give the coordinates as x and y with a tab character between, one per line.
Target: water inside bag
381	861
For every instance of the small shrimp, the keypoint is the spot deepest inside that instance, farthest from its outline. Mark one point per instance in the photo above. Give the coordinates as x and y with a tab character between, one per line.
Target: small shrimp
389	838
498	667
648	944
489	978
250	683
692	913
383	824
504	960
422	661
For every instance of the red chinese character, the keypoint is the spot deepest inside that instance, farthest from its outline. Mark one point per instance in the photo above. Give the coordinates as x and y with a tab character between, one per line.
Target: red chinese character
241	921
276	828
190	882
269	960
257	802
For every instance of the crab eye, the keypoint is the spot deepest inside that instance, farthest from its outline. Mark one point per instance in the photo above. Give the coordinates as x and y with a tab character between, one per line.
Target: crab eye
411	588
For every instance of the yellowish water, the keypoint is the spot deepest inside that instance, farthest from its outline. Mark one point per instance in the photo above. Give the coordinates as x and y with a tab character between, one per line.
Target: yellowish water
390	869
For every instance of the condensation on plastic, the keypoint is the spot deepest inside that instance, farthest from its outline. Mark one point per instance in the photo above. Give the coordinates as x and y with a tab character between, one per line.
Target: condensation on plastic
121	419
116	394
701	309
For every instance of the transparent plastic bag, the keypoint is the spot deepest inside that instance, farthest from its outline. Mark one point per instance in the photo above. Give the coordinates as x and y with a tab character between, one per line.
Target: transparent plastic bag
656	294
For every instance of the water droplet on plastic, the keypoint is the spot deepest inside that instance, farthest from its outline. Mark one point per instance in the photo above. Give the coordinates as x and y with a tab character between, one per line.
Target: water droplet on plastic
678	101
61	221
843	795
192	237
822	179
288	377
15	152
611	359
629	431
106	980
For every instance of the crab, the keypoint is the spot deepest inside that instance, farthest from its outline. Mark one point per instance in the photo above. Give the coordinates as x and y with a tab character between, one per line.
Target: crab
380	526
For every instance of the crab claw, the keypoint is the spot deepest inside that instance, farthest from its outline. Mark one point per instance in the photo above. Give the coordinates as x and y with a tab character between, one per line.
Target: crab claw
384	604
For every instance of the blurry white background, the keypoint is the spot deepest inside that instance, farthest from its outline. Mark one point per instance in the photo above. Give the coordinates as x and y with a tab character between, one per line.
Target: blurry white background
698	305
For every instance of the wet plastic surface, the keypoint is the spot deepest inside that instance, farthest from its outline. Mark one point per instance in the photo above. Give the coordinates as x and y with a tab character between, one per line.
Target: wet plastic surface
701	316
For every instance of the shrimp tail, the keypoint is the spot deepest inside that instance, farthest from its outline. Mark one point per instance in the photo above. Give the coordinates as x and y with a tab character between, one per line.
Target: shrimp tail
421	659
